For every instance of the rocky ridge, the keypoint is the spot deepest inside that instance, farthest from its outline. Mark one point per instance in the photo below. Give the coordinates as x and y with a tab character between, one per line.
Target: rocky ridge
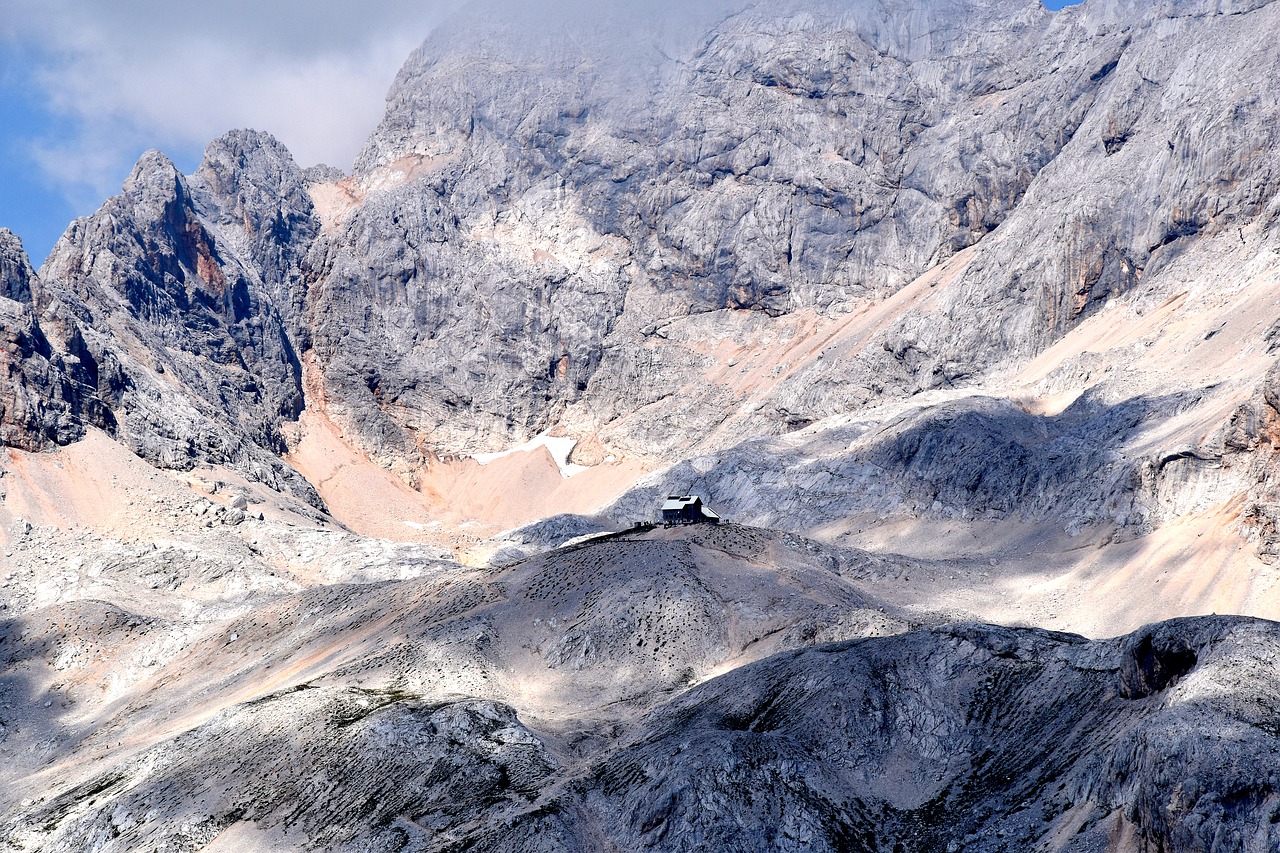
967	308
295	724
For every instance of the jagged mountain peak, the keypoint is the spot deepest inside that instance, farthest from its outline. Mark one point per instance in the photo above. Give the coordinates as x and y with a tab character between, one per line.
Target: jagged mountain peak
250	187
188	292
967	308
247	171
242	144
16	274
154	178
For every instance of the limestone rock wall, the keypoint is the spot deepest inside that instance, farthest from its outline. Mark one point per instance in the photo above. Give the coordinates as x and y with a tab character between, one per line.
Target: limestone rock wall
192	287
568	219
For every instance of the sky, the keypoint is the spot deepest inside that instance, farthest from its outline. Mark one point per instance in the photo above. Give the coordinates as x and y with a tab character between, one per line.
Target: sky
86	86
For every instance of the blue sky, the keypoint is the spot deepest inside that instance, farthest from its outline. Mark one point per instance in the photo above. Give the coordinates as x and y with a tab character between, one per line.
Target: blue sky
30	202
87	85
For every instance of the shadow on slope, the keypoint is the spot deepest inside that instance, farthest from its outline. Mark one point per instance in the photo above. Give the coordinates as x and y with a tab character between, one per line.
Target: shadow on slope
968	738
385	716
973	458
577	640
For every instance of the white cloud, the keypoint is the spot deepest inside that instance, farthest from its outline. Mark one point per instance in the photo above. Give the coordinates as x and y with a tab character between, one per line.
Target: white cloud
133	74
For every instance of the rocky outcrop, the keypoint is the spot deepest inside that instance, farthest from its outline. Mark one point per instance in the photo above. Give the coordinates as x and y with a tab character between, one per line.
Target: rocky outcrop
149	253
580	204
49	391
617	624
966	736
44	398
193	286
16	273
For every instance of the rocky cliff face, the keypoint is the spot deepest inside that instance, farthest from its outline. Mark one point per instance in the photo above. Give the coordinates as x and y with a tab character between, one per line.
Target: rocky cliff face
16	274
49	390
936	294
736	233
661	240
754	170
748	171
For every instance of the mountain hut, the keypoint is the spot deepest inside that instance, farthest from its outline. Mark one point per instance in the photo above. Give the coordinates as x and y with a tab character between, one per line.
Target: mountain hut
687	509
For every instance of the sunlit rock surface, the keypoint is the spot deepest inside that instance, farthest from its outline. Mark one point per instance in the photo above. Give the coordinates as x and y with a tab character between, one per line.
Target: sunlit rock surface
326	499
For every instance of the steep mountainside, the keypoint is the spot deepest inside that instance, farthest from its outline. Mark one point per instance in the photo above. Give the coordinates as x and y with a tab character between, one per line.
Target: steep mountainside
805	158
659	244
323	495
840	264
574	221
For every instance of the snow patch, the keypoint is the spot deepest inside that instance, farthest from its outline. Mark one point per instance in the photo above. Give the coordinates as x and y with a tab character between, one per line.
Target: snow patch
558	446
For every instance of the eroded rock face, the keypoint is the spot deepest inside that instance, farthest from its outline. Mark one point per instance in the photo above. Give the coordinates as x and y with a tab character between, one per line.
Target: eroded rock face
253	192
49	389
42	404
191	286
151	249
16	273
578	199
803	157
1155	660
